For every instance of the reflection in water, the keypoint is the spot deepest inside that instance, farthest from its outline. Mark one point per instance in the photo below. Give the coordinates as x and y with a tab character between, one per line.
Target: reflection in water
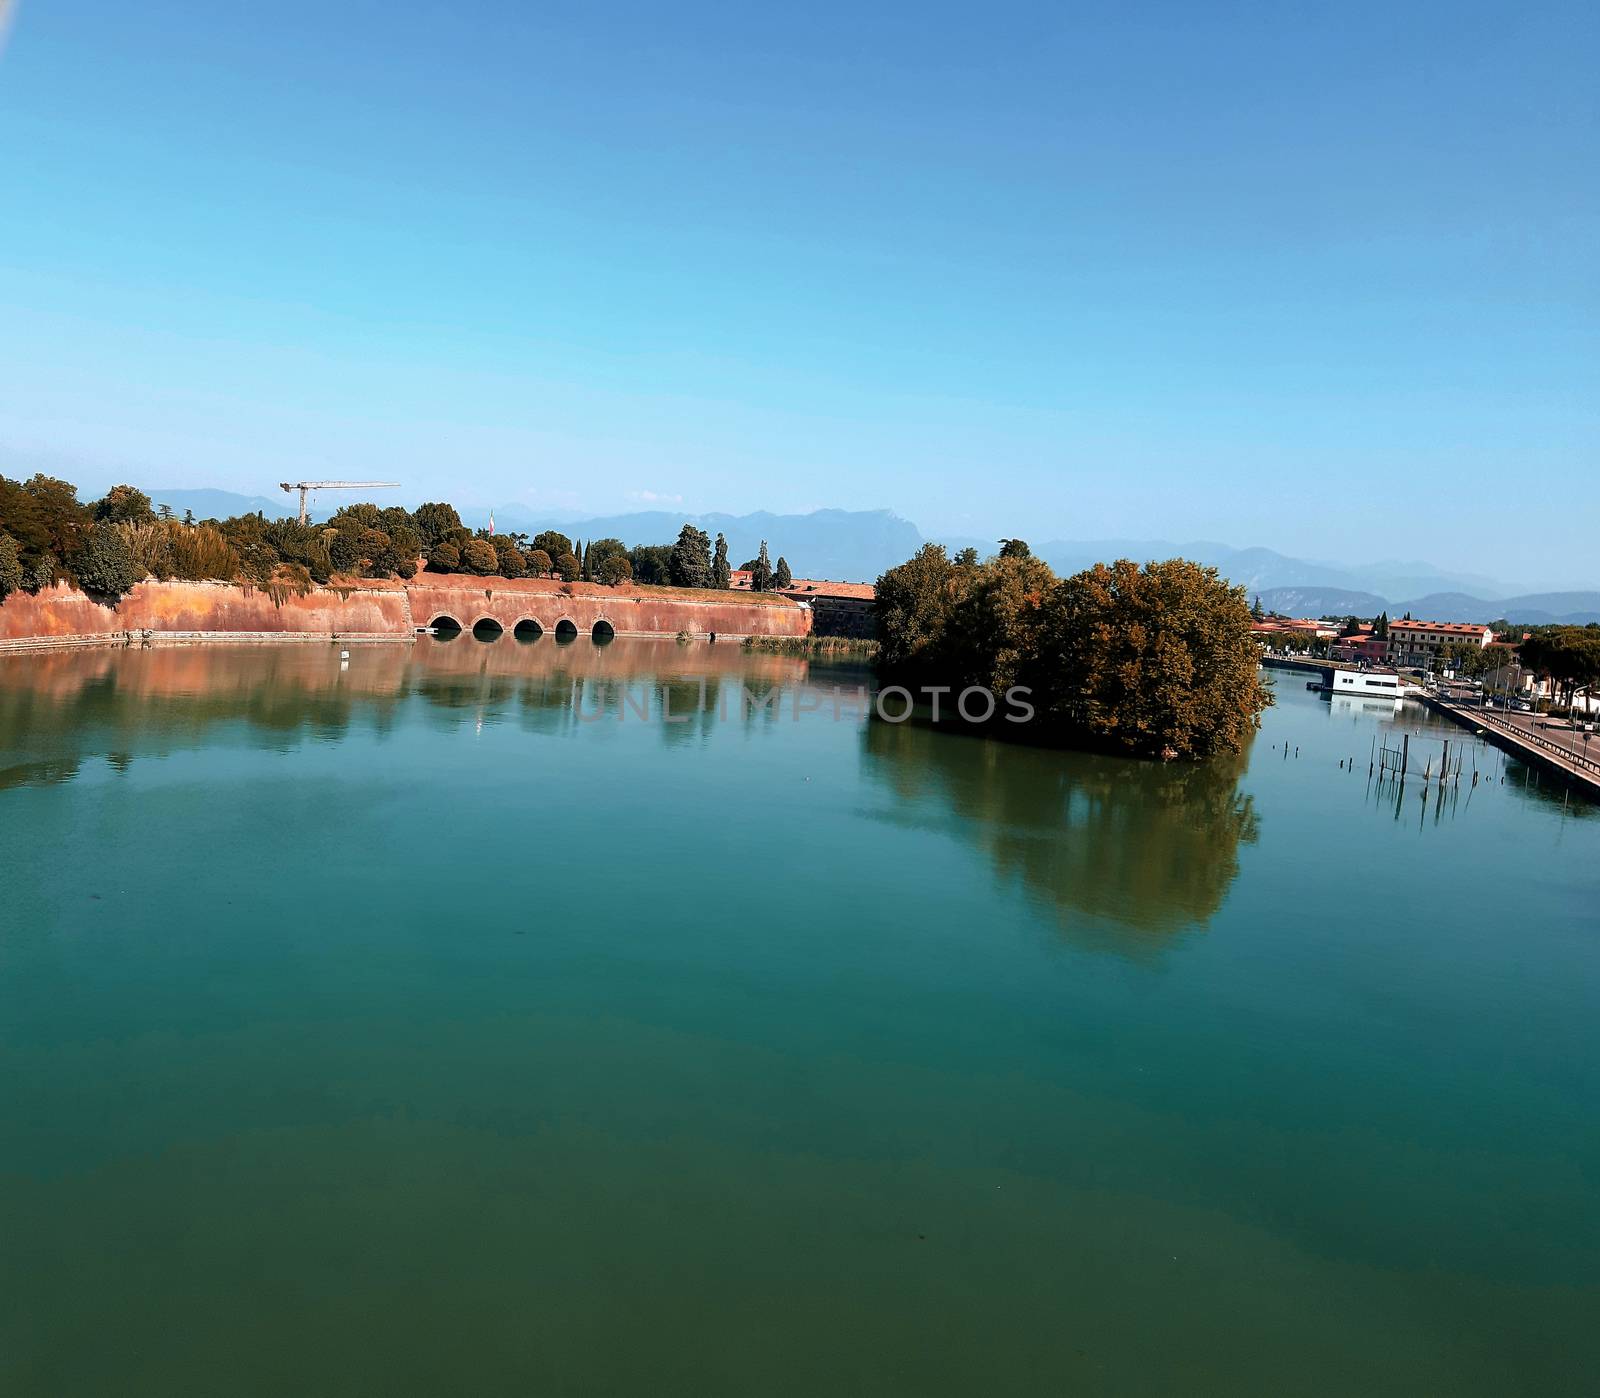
116	703
1113	844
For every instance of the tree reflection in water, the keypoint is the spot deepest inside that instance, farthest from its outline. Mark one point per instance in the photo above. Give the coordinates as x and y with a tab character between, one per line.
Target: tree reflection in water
1116	846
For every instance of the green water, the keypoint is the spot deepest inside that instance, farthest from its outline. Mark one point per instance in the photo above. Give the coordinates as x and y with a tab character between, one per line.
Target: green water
392	1029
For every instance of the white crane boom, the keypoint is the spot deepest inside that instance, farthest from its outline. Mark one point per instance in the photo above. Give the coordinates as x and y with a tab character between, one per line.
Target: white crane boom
304	486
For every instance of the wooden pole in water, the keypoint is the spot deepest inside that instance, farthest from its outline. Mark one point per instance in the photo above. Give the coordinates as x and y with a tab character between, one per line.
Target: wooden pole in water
1405	752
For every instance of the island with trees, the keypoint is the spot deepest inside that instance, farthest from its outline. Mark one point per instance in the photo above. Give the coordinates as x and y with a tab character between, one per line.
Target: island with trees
1151	659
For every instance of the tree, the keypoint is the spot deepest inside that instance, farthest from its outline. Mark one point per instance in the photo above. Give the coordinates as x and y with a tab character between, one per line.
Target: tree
552	544
43	515
1014	548
690	564
993	624
478	556
608	562
967	558
539	563
913	602
652	563
123	502
508	558
434	522
445	557
720	572
782	577
1255	609
1152	659
10	566
567	566
761	571
613	569
103	566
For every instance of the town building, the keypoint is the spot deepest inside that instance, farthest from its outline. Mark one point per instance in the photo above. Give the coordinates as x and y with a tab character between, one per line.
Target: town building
1364	647
1419	642
837	608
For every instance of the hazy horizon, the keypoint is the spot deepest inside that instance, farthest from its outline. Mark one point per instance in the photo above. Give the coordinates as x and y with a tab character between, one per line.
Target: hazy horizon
1321	282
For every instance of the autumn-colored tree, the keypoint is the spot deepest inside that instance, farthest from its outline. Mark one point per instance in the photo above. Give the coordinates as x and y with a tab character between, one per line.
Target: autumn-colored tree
123	502
1155	659
445	557
539	563
567	565
509	558
992	629
478	556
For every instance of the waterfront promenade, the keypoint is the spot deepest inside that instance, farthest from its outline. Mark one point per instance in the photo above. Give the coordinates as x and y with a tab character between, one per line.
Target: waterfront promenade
1553	749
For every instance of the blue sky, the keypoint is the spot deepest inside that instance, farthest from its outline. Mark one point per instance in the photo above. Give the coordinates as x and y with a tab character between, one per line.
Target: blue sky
1319	277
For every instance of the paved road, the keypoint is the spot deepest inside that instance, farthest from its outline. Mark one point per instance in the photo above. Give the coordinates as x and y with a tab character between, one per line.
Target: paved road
1585	757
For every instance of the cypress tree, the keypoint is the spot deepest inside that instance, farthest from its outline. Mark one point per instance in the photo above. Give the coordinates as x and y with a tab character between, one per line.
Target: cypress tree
720	571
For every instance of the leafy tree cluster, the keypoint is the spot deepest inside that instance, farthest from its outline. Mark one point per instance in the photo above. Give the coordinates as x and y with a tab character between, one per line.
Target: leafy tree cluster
1151	659
47	535
1567	656
764	576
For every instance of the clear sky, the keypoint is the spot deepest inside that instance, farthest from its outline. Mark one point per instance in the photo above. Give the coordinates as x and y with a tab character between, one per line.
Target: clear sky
1323	277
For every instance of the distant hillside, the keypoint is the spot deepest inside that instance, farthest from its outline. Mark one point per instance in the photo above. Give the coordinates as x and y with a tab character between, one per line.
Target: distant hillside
1321	601
223	504
845	545
1531	609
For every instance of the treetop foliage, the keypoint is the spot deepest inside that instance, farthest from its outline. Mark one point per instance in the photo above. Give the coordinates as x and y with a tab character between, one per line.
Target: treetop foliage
48	535
1148	659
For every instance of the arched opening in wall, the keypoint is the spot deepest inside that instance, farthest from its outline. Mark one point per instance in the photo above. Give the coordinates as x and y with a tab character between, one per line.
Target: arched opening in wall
603	632
527	630
566	631
487	629
446	628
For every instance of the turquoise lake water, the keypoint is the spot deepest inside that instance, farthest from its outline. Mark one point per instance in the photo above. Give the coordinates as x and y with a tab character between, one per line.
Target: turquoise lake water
394	1028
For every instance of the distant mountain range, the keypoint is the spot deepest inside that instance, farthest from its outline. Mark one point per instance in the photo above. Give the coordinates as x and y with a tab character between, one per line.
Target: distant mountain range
858	545
1528	609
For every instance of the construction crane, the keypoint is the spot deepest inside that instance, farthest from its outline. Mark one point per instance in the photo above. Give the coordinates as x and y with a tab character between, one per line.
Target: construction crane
304	486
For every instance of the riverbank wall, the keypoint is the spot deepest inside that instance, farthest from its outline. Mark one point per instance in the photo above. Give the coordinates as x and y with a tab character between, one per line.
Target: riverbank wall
382	610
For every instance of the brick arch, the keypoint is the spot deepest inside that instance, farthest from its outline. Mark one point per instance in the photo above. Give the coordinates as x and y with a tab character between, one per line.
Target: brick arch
527	628
488	620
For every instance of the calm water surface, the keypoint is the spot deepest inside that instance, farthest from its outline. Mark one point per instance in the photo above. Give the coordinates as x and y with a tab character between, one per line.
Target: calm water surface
393	1029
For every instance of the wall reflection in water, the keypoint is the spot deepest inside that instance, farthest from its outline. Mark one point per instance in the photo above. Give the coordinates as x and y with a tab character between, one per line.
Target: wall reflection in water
1127	853
59	708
